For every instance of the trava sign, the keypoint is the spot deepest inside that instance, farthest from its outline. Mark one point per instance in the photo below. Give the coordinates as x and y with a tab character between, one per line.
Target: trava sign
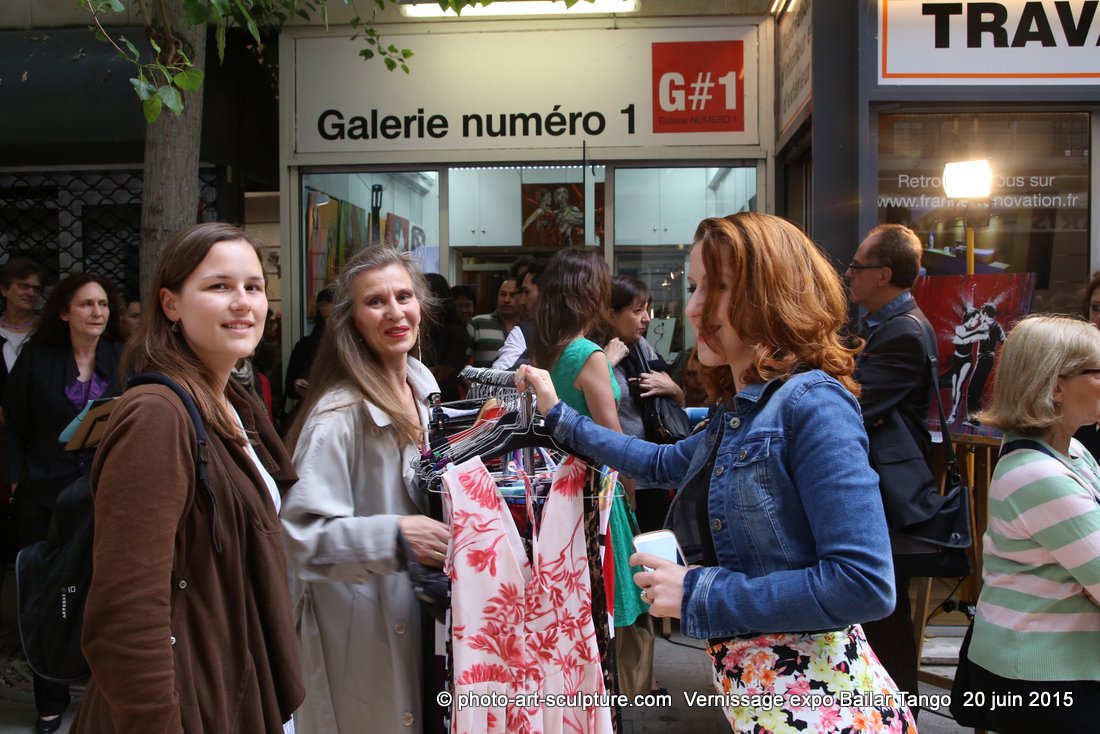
1012	42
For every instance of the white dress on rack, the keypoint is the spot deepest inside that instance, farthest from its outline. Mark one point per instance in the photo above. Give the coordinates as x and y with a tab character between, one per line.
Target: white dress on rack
522	630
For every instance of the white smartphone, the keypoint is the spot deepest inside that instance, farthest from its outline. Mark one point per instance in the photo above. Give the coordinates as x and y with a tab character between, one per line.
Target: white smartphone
660	543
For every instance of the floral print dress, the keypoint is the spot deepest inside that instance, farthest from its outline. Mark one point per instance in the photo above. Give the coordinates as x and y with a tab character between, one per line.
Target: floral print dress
522	630
824	683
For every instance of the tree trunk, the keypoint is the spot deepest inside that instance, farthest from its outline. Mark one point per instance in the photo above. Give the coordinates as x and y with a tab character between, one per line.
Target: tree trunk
170	197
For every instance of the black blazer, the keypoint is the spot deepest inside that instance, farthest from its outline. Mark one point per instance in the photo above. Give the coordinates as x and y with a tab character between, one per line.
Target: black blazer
897	393
36	411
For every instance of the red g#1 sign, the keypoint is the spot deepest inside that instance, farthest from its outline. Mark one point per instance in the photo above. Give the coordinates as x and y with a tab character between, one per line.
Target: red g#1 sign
698	87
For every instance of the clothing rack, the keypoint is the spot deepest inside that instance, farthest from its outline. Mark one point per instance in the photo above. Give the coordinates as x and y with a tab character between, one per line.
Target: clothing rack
486	382
489	382
448	420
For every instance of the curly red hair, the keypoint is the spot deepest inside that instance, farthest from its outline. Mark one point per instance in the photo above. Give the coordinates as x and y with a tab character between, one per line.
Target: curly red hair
787	301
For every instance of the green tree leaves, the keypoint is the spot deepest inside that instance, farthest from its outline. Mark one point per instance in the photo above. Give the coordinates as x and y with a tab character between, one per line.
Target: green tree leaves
160	81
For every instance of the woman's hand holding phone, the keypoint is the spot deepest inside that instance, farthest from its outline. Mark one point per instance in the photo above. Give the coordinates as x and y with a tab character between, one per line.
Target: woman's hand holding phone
662	582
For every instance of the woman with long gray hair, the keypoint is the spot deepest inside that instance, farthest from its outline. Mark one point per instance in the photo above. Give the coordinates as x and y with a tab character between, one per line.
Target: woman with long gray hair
356	515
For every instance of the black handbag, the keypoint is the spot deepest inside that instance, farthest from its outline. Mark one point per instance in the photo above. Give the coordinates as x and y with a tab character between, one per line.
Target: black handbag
53	576
935	547
663	419
431	586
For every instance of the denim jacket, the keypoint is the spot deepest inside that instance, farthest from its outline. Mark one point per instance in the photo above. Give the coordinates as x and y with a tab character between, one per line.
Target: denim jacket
793	506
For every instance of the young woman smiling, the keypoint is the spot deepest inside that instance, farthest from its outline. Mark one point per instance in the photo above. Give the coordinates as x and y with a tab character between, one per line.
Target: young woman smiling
188	625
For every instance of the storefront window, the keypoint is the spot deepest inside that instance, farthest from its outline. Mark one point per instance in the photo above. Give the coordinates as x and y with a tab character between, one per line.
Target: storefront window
657	211
501	214
345	212
1038	216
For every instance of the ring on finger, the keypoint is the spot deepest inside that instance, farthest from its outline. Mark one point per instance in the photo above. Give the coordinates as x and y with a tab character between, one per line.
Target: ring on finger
645	596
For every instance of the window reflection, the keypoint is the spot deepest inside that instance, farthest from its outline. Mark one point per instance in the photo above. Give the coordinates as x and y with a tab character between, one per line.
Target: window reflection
657	211
345	212
1039	208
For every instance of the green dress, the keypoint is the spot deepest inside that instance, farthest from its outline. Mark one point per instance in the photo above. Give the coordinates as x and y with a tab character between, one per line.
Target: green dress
628	602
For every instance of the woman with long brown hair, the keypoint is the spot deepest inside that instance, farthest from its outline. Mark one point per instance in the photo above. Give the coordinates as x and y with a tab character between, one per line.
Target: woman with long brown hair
778	508
188	621
572	309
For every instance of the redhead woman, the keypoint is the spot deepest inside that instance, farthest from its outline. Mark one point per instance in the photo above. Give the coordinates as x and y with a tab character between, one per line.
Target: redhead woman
357	513
71	357
188	622
778	507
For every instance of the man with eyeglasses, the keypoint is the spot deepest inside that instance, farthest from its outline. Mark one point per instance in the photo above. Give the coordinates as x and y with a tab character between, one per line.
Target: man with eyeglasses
897	391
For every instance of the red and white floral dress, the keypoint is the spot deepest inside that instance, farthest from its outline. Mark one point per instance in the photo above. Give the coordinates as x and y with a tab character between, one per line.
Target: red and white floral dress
522	630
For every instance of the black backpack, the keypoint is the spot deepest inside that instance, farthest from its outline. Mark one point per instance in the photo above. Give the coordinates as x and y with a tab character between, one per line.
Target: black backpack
52	576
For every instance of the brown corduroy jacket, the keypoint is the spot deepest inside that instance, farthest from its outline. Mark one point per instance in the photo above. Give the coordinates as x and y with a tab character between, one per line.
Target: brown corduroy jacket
183	635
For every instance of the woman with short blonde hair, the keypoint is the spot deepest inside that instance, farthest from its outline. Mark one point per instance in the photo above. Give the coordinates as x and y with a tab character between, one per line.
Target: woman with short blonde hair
1045	350
1036	636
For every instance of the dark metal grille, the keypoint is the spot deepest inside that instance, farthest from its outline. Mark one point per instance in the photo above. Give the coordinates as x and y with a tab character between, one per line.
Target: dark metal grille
82	221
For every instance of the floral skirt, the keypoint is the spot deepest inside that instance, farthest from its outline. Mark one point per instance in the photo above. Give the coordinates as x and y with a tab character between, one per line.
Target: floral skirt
822	682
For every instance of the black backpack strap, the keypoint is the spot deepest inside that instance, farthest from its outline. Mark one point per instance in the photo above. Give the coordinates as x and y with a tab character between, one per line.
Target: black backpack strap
202	449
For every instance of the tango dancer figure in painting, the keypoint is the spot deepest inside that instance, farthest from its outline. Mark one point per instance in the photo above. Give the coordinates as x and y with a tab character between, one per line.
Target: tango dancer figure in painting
967	334
569	218
542	217
987	350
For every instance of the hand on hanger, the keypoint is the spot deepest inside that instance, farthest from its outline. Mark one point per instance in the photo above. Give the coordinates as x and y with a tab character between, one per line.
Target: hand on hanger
532	378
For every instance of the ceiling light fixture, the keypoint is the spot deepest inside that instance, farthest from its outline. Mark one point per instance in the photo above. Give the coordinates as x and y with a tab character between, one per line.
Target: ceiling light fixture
520	7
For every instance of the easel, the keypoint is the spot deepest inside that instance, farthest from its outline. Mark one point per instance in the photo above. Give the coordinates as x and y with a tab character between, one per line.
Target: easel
976	455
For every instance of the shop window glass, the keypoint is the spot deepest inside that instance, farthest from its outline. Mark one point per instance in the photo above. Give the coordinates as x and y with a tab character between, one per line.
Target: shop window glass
528	207
499	215
1038	215
657	211
345	212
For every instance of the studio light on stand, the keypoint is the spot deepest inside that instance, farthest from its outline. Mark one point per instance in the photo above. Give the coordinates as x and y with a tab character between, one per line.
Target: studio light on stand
971	181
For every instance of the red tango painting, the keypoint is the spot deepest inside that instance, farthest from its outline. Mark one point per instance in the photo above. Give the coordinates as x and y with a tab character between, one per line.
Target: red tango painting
970	315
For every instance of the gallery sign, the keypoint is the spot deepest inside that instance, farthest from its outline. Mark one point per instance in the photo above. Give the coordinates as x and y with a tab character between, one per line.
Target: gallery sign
530	89
1011	42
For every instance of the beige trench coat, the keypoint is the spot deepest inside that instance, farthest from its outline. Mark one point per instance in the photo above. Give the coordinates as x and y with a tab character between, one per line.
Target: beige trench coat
357	617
